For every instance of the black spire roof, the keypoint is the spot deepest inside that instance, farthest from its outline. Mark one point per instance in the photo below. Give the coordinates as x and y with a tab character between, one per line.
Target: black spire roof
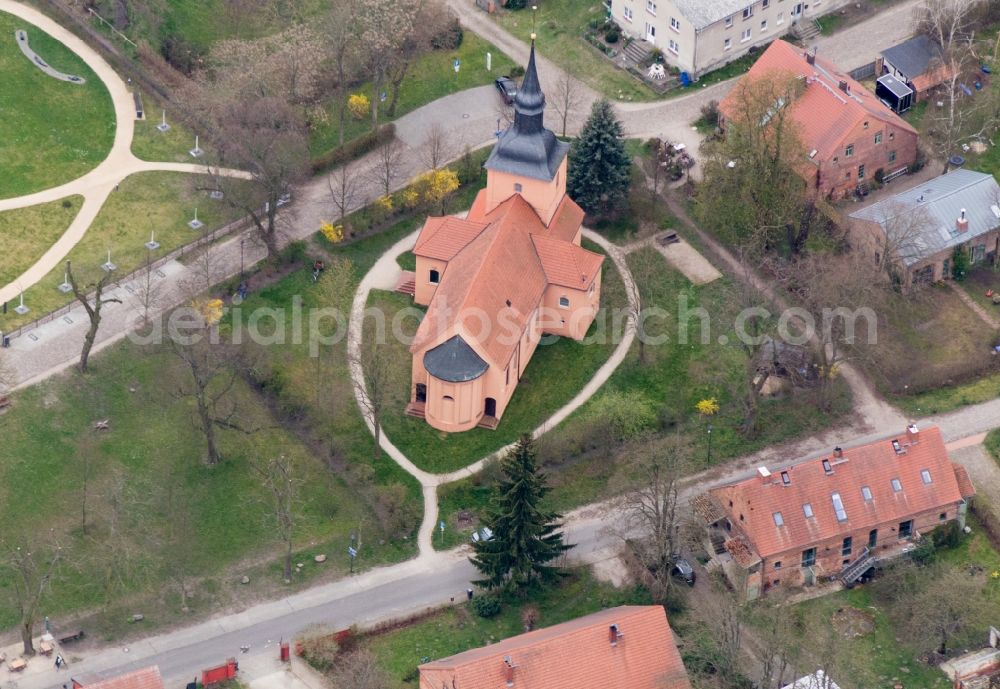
527	148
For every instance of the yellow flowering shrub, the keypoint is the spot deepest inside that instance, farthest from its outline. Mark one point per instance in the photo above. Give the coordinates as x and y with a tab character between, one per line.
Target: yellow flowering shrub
707	406
210	310
333	233
359	105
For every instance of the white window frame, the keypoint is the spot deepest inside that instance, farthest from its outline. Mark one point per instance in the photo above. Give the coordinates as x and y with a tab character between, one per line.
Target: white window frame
729	21
675	24
747	12
564	302
627	13
746	35
673	46
763	26
781	18
727	44
651	7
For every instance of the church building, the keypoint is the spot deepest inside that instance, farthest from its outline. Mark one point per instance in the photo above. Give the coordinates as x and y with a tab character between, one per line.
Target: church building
497	280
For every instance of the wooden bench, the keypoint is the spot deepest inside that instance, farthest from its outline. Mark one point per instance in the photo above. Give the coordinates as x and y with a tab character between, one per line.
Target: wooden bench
17	665
139	114
45	648
71	638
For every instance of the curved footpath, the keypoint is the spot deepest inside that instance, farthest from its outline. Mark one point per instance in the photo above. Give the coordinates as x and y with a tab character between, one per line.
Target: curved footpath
383	275
96	185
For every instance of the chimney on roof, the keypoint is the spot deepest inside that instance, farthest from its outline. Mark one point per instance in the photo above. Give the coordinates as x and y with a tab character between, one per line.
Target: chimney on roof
838	452
508	670
913	433
614	634
843	86
962	223
810	58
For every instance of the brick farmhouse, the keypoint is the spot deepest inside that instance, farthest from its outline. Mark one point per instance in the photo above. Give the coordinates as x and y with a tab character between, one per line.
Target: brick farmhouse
848	135
834	517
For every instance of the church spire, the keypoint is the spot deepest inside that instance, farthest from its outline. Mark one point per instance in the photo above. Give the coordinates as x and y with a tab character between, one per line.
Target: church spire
527	148
529	102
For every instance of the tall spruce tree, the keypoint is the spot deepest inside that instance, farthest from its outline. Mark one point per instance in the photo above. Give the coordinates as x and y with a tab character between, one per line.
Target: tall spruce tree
525	538
599	168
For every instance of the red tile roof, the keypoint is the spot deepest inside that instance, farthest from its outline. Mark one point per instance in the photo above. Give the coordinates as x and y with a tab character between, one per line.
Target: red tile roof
146	678
874	466
824	114
442	238
495	280
965	486
932	77
573	655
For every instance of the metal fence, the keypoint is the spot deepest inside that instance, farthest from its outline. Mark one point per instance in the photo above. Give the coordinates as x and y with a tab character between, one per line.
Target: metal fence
177	253
863	72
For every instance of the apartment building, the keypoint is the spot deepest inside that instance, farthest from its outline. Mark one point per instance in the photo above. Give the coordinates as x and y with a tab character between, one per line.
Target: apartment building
697	36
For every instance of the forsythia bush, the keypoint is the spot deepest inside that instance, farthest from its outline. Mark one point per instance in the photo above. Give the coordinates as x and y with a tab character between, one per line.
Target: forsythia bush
708	407
434	185
410	198
359	105
333	233
384	203
210	310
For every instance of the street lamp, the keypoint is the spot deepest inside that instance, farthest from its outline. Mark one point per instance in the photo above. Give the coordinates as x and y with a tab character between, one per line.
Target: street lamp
709	443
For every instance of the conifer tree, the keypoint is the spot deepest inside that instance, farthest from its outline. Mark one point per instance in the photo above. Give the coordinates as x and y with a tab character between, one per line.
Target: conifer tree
525	538
599	168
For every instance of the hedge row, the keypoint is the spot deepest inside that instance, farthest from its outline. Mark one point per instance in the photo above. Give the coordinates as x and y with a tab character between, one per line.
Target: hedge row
353	149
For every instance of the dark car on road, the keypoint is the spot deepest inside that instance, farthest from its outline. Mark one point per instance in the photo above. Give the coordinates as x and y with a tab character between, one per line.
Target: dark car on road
506	88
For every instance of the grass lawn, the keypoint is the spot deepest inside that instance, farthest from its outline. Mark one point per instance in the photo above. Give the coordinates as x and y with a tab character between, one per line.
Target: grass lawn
430	77
27	233
674	377
159	202
556	373
560	25
992	443
829	23
51	131
458	628
149	143
927	342
150	463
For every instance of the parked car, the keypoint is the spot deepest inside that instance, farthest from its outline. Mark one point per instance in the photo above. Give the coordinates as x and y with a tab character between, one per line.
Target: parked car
506	88
682	569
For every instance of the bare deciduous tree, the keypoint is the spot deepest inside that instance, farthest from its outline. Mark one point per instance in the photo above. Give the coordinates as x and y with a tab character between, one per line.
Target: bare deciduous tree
93	308
30	568
566	98
388	158
146	290
344	189
438	147
210	381
372	379
341	37
277	477
359	670
650	507
951	25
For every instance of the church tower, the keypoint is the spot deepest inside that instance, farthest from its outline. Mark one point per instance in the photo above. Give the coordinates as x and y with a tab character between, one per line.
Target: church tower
528	159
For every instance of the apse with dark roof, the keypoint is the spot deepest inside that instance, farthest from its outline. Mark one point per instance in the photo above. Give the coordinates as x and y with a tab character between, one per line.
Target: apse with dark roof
497	279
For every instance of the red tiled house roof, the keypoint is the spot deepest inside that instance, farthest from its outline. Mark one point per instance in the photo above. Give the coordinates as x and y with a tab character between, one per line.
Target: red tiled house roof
873	466
578	654
145	678
824	115
506	255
